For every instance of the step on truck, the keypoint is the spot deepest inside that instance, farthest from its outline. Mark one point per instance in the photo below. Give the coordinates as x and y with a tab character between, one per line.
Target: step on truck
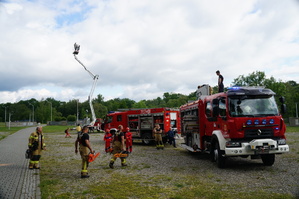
243	121
142	121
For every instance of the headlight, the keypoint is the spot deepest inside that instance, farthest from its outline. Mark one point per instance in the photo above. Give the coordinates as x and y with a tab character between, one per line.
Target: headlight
233	144
281	142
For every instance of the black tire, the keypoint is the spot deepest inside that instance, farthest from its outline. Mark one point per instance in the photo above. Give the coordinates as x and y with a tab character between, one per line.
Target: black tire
217	155
268	159
146	138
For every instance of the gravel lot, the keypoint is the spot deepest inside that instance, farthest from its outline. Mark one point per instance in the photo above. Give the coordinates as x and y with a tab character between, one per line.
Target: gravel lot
147	162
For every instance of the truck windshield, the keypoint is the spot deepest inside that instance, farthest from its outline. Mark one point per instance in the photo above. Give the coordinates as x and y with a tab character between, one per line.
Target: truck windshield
108	119
252	106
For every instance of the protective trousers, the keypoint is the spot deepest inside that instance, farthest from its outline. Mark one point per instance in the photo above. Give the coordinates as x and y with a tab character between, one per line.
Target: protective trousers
84	156
34	161
117	149
159	142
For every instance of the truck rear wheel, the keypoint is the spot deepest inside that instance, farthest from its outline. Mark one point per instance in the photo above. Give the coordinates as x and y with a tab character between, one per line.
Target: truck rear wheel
146	138
268	159
218	156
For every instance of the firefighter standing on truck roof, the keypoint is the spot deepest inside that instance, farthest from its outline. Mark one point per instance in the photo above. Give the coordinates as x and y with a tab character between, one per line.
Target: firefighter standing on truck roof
36	145
220	82
157	134
84	148
118	146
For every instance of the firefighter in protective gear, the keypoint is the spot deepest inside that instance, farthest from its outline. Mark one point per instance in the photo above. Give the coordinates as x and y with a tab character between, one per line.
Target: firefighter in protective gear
129	140
157	134
36	145
118	145
108	139
84	149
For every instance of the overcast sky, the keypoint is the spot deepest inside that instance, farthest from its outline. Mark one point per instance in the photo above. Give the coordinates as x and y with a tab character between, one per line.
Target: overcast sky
141	48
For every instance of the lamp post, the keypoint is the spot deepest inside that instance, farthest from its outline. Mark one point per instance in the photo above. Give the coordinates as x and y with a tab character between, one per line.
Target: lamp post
9	115
296	110
5	112
77	111
51	109
32	111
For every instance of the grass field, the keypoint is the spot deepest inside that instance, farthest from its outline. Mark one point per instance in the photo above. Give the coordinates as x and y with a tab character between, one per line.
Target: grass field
293	129
60	176
6	131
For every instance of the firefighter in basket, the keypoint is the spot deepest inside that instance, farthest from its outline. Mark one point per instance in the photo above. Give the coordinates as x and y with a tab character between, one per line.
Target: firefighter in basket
157	134
36	146
118	147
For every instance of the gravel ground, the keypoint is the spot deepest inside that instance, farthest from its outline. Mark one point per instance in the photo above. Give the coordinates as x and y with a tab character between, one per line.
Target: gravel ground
146	161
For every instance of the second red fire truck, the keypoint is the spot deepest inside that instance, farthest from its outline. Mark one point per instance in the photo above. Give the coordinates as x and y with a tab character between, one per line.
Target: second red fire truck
240	122
142	121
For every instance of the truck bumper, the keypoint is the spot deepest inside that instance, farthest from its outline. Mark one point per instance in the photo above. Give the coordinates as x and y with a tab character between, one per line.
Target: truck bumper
257	147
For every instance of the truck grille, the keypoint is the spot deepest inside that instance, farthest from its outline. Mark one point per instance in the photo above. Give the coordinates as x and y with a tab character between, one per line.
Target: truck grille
259	133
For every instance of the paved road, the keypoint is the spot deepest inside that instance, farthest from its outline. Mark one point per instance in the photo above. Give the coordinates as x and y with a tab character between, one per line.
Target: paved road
16	180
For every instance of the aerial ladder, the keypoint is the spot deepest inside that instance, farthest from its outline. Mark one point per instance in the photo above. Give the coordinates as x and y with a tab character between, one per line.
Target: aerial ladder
95	79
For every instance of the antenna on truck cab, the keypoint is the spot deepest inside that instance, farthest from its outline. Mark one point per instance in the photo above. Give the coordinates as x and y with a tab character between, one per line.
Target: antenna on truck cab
95	79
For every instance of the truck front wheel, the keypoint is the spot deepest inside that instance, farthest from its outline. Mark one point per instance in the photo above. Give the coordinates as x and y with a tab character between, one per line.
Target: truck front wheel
218	156
268	159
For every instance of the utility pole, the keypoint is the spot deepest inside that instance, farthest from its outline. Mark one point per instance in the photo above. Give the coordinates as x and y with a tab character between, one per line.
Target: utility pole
77	112
51	109
32	111
296	110
5	113
9	115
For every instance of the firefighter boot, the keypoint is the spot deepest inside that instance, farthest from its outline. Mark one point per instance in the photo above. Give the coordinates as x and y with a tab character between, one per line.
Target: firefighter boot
111	164
30	165
123	162
84	175
157	145
36	165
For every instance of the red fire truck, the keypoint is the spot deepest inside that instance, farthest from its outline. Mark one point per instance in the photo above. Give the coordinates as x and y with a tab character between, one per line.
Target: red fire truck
141	121
244	121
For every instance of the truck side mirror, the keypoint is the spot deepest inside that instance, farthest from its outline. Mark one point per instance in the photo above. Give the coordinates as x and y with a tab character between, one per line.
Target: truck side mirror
215	107
283	109
282	99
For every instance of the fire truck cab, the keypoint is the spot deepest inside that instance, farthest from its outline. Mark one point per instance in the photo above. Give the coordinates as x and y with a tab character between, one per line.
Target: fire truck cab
244	121
141	121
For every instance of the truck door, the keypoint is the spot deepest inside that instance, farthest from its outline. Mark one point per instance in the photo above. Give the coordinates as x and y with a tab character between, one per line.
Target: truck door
133	124
146	127
209	125
222	115
173	120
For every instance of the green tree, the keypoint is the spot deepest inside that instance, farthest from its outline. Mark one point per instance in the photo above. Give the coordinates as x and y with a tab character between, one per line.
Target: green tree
71	118
140	104
256	78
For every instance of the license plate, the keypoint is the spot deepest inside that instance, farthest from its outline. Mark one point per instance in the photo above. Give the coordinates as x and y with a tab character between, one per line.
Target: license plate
262	151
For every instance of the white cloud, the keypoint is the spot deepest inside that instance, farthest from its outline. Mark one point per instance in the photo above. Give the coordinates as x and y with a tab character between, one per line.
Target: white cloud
141	49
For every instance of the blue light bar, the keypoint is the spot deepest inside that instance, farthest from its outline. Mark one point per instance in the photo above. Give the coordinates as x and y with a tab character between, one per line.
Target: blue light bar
264	121
249	122
233	88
